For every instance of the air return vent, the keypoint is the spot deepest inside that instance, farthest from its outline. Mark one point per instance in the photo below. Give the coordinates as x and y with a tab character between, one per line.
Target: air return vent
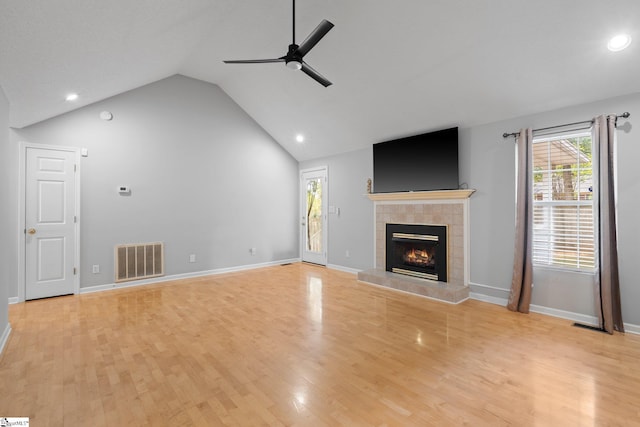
139	261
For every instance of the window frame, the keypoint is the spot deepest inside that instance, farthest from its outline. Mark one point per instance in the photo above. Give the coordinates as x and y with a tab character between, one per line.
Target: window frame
593	202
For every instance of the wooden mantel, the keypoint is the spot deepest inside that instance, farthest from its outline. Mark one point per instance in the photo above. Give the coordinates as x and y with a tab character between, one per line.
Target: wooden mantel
422	195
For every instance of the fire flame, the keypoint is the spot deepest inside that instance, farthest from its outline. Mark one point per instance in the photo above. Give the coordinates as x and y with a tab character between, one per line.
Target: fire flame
417	257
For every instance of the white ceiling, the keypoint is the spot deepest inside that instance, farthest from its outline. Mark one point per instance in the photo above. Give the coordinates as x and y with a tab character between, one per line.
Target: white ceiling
398	67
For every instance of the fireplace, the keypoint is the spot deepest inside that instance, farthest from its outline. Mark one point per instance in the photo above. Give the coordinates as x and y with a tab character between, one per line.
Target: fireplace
450	210
417	250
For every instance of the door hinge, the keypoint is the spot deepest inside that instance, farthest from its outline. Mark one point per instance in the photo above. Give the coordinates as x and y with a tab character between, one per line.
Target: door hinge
75	219
75	168
75	271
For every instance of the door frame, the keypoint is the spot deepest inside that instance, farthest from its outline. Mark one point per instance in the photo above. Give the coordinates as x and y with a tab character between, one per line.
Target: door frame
325	208
22	249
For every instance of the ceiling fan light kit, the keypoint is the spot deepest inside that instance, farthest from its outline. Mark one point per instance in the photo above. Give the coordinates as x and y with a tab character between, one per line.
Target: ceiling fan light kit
295	54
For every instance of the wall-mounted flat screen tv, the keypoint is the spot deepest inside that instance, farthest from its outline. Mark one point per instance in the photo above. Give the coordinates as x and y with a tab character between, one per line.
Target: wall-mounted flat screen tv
417	163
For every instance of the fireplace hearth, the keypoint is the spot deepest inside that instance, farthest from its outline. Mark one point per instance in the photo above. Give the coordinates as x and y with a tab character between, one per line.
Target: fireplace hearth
417	250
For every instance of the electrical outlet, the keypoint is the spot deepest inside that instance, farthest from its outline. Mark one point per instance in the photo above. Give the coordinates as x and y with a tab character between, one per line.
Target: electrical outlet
252	251
192	258
95	269
347	254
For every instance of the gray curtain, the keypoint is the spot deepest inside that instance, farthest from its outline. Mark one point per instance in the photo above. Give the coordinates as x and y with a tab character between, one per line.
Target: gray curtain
608	289
521	283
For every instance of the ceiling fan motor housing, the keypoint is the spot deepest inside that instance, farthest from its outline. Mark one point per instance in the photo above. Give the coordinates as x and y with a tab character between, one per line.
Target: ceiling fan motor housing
293	59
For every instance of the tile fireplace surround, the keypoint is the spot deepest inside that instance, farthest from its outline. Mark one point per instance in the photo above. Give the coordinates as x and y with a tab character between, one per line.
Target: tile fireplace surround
450	208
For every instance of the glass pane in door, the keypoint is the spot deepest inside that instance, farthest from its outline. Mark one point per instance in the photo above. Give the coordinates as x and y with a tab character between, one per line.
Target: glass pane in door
314	215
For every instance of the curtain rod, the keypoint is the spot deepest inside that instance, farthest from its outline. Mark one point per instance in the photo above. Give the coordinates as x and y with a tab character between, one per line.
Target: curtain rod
624	115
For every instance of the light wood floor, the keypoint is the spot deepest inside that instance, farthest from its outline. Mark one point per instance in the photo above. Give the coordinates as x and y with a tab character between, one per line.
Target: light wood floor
301	345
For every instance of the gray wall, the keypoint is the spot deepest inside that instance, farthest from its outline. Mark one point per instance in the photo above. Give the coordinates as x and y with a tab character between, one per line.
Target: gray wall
201	169
6	240
205	179
487	164
351	230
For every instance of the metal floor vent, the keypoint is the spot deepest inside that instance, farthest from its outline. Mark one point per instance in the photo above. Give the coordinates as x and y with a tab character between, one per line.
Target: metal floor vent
139	261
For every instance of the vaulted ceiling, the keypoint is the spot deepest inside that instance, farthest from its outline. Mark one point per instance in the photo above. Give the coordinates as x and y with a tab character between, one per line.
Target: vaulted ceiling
398	67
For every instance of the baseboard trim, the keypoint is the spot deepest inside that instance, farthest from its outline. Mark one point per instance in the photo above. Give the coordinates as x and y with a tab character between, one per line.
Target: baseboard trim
563	314
342	268
631	328
5	337
487	298
554	312
13	300
494	288
101	288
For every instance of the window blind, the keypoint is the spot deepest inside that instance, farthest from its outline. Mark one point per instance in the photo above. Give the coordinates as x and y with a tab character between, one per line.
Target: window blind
563	209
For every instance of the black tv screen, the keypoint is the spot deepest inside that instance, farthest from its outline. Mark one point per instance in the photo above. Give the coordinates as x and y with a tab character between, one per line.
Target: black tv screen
417	163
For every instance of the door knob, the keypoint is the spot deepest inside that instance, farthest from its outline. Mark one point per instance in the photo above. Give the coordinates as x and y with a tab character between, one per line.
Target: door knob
31	231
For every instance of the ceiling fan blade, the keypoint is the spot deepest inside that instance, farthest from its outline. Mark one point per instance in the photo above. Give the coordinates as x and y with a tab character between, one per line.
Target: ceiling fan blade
255	61
306	68
316	35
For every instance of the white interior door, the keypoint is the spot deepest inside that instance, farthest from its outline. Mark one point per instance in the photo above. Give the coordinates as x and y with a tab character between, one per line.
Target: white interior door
313	189
50	229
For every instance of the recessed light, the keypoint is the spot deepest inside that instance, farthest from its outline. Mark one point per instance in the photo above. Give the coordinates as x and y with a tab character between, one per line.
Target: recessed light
619	42
300	138
71	97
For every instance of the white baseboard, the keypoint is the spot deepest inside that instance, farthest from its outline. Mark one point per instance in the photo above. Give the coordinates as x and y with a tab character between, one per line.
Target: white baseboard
345	269
631	328
487	298
100	288
585	319
493	288
13	300
576	317
5	337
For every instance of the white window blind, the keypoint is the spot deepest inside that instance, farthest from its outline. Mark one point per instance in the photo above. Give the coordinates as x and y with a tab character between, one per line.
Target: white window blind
563	206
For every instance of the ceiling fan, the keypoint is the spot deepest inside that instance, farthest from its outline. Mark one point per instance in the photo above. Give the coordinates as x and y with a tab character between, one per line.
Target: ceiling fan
294	57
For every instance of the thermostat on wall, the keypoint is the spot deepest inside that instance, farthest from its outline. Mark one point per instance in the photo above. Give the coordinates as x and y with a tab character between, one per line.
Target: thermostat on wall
123	189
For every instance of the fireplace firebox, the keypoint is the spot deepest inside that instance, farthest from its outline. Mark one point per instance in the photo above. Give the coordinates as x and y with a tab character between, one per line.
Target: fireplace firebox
417	250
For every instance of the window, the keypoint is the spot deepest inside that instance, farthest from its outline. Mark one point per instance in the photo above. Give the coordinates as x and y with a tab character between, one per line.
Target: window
563	205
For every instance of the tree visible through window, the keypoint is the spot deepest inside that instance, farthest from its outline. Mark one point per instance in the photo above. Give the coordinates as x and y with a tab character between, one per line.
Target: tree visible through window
563	207
314	215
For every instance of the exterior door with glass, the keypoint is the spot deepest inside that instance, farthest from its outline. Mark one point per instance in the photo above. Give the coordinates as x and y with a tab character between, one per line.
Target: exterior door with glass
313	186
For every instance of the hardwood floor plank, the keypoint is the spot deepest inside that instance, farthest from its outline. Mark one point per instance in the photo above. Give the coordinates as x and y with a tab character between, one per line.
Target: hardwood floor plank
301	345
